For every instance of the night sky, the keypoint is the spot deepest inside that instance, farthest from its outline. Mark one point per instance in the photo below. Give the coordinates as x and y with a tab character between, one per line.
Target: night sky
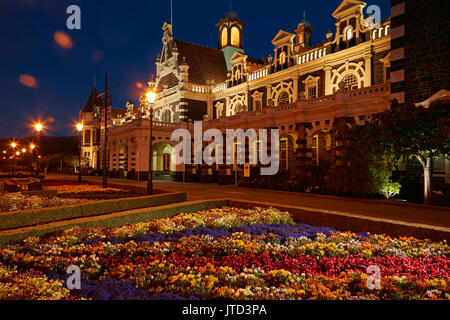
40	78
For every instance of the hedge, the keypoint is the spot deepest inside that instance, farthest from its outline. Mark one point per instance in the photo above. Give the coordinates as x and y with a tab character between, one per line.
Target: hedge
26	218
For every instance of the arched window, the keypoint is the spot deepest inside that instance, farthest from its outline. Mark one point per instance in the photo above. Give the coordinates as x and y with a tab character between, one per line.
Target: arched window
348	33
235	37
350	82
224	37
282	58
283	98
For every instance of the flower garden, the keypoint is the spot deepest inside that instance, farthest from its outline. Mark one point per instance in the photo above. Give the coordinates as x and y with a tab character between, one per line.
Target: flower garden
67	194
73	190
20	201
226	253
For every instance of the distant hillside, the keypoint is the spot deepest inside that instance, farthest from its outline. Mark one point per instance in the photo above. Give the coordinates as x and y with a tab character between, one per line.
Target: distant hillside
49	145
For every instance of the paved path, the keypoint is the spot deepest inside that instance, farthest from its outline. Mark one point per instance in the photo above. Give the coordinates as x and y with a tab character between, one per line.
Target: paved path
415	213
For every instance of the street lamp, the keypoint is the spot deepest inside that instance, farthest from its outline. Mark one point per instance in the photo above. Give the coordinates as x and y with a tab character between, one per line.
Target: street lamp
32	147
13	158
80	130
38	127
151	97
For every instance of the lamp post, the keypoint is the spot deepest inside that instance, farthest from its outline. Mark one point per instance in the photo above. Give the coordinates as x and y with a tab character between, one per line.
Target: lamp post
13	146
151	97
38	127
32	147
80	130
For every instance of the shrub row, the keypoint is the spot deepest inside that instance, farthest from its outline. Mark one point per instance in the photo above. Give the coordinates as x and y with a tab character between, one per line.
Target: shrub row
25	218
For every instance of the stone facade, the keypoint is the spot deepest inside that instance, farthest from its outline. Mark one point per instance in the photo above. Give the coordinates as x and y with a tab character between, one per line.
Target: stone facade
306	91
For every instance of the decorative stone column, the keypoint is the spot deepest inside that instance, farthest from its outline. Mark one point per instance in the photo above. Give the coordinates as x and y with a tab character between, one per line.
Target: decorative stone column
368	70
328	85
269	93
295	88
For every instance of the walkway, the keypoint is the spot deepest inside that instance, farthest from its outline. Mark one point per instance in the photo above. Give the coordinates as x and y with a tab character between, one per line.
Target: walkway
414	213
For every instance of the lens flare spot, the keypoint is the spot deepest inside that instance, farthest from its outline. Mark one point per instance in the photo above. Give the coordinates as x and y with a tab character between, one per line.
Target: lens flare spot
98	56
63	40
28	81
139	85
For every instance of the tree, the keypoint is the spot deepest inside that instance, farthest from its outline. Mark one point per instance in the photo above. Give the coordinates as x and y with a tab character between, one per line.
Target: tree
74	162
423	133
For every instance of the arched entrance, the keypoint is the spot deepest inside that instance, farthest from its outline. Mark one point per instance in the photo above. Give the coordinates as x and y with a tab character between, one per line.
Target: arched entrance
163	162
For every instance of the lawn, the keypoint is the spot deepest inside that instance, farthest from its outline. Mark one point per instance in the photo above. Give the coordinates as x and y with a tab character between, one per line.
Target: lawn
226	253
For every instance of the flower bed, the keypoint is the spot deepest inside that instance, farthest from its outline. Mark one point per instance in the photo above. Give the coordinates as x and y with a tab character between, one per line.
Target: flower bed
231	253
19	201
88	191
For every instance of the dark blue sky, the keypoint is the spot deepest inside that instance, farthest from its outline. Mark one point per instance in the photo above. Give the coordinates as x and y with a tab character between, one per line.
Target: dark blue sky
122	38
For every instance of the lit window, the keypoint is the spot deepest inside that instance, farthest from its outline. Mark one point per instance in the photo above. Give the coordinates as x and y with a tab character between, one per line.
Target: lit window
284	156
348	33
237	75
282	58
350	82
312	92
283	98
224	37
235	37
315	148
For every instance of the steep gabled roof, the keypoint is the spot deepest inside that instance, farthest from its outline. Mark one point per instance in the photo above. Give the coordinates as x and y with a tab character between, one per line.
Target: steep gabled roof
205	64
92	101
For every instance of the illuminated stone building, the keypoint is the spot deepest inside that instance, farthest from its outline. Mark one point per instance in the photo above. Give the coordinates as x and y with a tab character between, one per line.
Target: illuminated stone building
308	91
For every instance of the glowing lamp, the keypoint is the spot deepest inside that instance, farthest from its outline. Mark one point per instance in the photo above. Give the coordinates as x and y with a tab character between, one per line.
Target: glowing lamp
151	96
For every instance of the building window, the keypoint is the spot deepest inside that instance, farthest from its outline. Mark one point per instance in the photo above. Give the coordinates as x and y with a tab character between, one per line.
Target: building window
87	137
283	98
257	100
282	59
284	153
312	92
237	75
167	116
311	87
350	82
235	37
348	33
224	37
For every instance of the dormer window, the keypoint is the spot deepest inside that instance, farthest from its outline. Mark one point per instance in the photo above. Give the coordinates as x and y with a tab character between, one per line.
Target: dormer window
348	33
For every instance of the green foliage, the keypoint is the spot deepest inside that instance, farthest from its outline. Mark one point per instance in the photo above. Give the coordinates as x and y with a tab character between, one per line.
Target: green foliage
390	189
408	130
